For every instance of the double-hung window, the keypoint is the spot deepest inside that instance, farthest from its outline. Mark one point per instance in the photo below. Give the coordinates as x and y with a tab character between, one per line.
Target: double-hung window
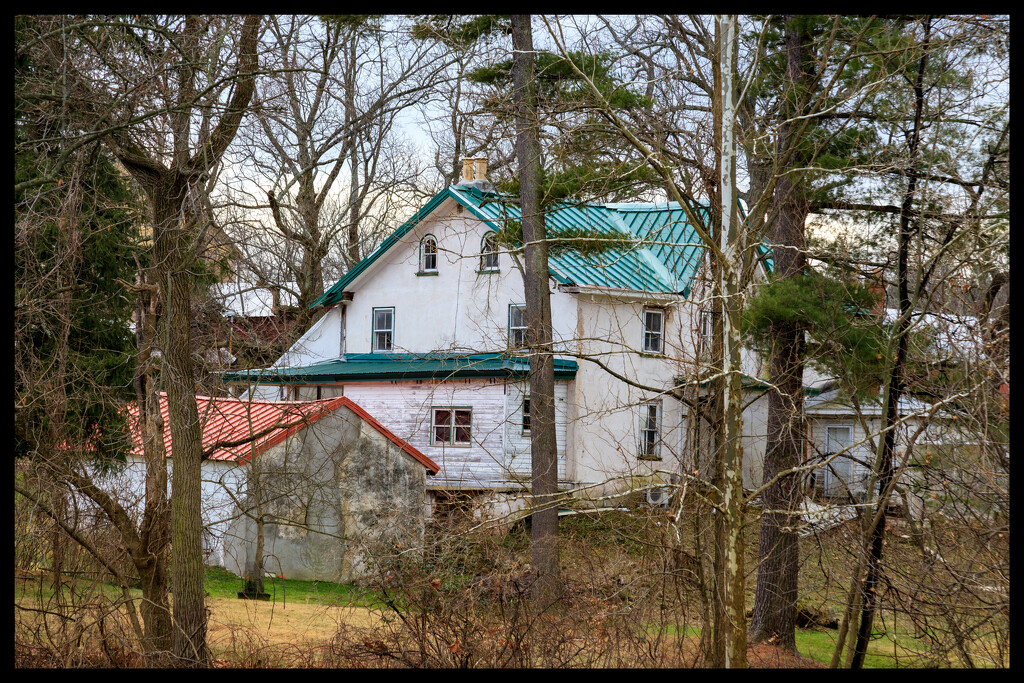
516	326
452	426
650	430
526	415
383	329
428	254
654	330
488	253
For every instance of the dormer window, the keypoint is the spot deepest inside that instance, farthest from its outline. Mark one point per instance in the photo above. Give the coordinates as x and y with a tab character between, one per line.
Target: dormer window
488	254
428	254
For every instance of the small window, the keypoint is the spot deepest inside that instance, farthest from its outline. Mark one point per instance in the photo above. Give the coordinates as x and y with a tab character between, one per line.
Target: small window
428	254
654	329
650	430
517	326
488	253
451	426
707	329
383	328
526	416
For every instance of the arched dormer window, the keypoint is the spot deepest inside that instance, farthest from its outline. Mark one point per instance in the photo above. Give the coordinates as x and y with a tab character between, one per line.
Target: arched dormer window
428	254
488	253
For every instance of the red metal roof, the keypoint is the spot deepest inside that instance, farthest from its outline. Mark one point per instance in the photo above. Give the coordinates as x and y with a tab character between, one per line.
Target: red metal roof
227	421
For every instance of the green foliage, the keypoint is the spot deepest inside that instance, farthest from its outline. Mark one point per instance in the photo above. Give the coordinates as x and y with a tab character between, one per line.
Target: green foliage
557	81
611	178
460	32
75	240
845	338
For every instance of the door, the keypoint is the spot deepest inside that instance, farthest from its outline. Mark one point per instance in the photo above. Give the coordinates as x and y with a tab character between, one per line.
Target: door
838	475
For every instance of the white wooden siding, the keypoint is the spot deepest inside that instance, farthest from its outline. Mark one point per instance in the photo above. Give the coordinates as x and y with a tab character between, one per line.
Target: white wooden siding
404	408
517	445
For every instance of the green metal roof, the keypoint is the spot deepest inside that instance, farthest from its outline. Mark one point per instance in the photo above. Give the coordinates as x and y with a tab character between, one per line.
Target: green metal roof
666	257
370	367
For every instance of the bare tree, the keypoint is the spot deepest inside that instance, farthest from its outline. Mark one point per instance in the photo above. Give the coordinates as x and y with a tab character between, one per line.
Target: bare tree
324	149
166	98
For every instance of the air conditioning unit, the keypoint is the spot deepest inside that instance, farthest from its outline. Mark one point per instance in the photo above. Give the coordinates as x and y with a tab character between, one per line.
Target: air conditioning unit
658	497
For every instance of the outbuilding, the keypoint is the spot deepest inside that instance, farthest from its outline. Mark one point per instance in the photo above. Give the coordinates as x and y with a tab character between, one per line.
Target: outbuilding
326	481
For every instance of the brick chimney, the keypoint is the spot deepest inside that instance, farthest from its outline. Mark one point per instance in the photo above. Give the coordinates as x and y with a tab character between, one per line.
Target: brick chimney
875	282
474	174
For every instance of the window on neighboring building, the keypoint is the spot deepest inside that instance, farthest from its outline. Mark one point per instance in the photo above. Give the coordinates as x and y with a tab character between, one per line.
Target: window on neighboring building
517	326
526	416
428	254
383	328
451	426
650	430
488	253
654	329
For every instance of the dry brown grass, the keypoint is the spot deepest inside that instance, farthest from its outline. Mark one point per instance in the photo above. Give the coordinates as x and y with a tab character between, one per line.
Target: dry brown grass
256	633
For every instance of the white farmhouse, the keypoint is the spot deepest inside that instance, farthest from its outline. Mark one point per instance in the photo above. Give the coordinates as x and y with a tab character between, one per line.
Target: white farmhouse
426	333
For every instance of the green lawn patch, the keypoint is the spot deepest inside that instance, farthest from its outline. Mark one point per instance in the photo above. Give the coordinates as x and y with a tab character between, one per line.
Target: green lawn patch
221	583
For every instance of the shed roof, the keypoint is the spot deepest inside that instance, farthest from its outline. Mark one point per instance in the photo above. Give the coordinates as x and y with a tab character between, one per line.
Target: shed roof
665	258
373	367
236	430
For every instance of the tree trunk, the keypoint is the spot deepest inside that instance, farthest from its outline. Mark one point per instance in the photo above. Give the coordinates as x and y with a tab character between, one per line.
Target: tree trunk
544	535
775	597
894	389
171	246
151	556
733	503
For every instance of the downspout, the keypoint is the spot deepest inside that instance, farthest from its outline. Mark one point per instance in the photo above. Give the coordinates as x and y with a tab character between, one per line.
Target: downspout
807	444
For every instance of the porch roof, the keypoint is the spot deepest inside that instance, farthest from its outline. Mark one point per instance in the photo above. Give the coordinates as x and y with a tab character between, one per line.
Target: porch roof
371	367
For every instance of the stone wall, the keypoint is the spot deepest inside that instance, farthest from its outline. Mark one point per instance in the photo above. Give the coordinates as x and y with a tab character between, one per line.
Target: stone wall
333	496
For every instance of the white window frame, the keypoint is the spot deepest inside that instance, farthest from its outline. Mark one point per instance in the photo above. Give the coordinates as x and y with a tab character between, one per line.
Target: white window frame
525	423
374	330
451	426
654	339
515	331
649	448
423	254
489	262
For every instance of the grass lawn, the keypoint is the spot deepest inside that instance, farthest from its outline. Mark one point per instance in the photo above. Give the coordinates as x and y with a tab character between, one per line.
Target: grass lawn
818	644
221	583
